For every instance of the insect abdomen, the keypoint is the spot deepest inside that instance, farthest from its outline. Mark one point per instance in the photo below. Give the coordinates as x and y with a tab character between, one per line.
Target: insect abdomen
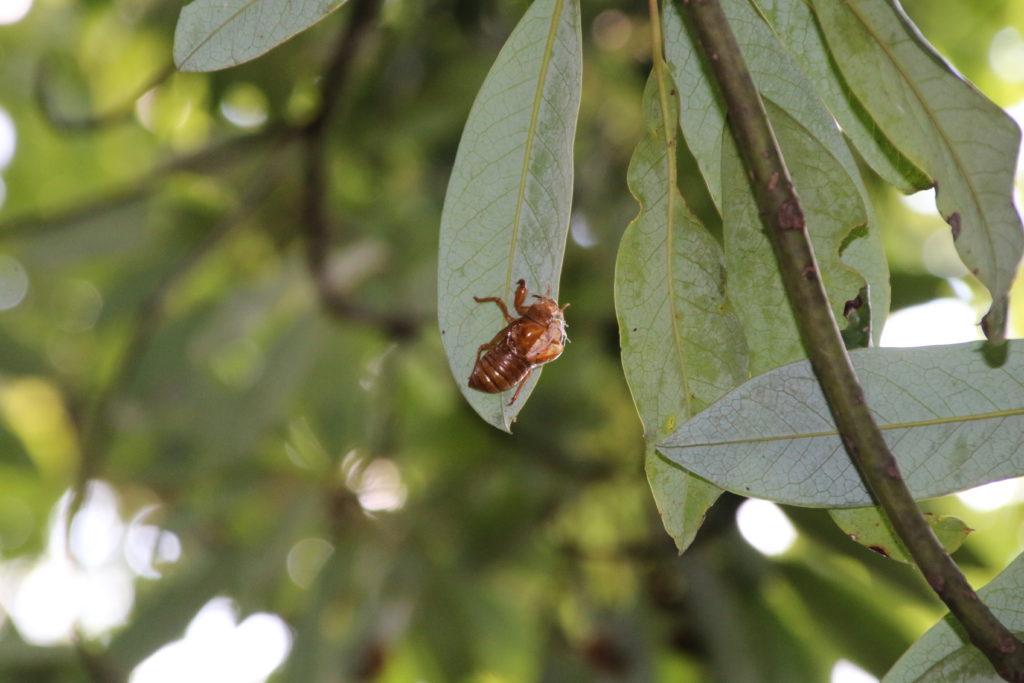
498	370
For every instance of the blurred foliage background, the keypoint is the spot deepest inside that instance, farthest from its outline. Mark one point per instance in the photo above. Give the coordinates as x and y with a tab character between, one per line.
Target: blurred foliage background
259	420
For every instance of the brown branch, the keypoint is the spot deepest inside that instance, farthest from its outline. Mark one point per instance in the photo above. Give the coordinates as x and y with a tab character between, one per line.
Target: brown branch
32	224
315	221
783	220
93	121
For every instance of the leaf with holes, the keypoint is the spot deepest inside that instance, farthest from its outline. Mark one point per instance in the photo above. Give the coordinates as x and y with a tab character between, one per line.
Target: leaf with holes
945	126
833	209
870	527
217	34
799	33
845	236
951	420
682	345
506	213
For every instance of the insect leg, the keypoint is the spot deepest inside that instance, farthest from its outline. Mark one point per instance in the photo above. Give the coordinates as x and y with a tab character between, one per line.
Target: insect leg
522	383
521	293
501	305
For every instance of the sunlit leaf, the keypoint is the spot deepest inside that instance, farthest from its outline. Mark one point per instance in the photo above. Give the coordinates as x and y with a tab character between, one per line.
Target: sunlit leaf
217	34
800	35
951	420
683	500
945	126
869	527
803	124
945	654
506	213
682	346
833	209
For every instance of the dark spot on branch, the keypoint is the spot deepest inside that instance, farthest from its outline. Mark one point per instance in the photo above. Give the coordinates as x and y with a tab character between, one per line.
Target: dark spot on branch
790	216
880	550
810	272
936	581
773	181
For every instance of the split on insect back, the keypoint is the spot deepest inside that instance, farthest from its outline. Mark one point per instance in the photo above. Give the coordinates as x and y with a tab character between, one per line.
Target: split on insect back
506	212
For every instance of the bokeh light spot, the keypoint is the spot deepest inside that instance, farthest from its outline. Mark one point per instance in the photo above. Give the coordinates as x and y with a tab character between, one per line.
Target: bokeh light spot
942	321
1006	55
244	105
990	496
765	526
13	282
8	137
846	671
13	11
216	650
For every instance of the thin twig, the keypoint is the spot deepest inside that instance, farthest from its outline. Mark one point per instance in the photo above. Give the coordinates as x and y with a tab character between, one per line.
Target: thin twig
784	222
96	120
315	221
229	151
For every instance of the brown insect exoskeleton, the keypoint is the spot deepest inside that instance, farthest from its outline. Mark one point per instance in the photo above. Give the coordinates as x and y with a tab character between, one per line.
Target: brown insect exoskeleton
535	338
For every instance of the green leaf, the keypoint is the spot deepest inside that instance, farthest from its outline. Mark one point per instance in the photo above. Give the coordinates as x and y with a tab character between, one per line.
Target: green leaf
833	209
945	654
952	422
682	345
869	527
798	31
217	34
807	125
506	213
945	126
683	500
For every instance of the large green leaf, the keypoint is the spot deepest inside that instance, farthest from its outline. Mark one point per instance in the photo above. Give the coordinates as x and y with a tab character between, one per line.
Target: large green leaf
951	420
682	499
833	209
945	126
945	654
217	34
803	124
682	345
799	33
506	213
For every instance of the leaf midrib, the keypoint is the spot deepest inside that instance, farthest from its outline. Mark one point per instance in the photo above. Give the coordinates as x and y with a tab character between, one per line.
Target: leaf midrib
977	417
531	134
668	124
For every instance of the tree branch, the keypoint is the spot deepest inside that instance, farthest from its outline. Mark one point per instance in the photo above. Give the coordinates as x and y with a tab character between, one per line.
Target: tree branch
94	120
784	222
229	151
315	223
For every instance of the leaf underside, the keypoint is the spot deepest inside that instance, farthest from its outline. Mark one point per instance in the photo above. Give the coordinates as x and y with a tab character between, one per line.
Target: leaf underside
506	212
951	420
682	345
945	126
944	653
217	34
